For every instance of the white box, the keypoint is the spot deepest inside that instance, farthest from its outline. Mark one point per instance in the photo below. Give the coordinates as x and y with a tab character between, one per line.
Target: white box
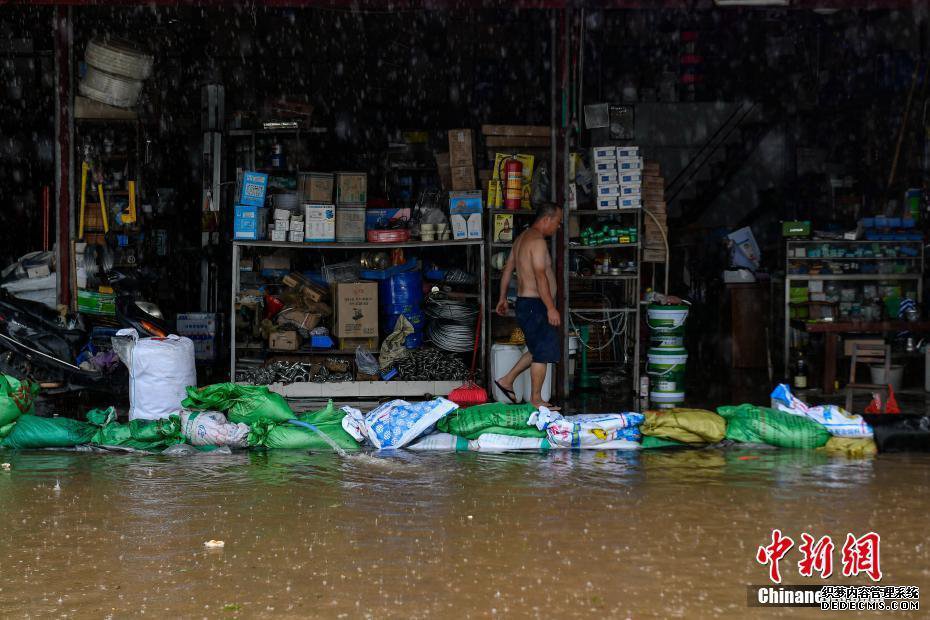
631	202
296	236
607	204
607	178
630	191
627	151
466	226
474	226
605	166
631	177
284	225
630	163
320	222
608	190
604	152
278	235
282	214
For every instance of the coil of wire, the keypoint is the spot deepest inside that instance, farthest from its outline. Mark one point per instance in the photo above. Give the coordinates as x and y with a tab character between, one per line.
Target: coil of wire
452	324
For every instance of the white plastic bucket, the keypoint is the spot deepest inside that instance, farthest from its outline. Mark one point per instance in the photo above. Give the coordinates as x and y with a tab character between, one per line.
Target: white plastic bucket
666	369
546	390
667	326
503	357
667	400
896	375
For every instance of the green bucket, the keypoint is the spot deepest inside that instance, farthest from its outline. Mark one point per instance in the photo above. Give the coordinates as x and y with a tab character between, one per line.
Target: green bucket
667	326
667	400
666	369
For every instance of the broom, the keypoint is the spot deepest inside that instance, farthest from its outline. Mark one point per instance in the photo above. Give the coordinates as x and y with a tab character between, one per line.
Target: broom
470	393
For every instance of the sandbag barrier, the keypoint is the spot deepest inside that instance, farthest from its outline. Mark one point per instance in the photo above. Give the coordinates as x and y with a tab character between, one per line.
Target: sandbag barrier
251	417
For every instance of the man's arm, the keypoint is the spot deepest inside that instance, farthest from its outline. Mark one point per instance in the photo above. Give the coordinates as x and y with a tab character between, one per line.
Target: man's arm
506	275
540	257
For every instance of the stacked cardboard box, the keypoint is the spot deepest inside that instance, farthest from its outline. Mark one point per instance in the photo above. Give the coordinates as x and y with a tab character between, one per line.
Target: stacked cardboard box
618	177
462	159
653	197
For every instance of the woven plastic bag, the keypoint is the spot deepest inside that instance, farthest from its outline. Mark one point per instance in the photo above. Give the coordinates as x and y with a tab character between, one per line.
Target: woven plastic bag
837	421
586	430
396	423
498	418
211	428
751	424
685	425
247	404
151	435
853	447
32	431
16	398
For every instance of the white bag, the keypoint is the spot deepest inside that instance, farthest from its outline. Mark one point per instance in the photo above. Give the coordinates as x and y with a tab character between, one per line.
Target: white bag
210	428
398	423
160	370
591	430
837	421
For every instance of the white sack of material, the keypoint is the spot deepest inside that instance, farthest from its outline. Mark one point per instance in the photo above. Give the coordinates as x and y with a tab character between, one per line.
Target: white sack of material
211	428
160	371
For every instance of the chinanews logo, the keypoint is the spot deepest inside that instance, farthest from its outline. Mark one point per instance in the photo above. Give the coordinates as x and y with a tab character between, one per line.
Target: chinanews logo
859	556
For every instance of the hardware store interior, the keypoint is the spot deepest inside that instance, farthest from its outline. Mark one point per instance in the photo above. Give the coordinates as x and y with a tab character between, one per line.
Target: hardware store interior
324	201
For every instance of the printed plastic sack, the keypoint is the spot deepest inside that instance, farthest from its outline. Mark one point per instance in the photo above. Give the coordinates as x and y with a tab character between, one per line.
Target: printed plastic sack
853	447
495	418
584	430
34	432
685	425
440	442
397	423
210	428
16	398
837	421
152	435
160	370
246	404
751	424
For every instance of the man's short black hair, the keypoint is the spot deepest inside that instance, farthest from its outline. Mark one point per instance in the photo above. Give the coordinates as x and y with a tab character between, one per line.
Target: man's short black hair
545	209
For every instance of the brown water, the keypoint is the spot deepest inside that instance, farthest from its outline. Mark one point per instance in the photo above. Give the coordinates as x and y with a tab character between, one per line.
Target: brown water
592	534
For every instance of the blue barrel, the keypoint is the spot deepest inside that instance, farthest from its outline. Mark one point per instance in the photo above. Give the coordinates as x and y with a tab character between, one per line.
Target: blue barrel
401	289
416	319
414	340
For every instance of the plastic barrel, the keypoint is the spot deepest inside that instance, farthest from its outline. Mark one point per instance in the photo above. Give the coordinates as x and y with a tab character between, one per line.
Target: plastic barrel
405	288
667	326
503	357
666	369
667	400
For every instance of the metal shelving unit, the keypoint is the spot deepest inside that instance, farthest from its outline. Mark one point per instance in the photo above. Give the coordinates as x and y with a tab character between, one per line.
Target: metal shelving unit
624	286
358	389
915	273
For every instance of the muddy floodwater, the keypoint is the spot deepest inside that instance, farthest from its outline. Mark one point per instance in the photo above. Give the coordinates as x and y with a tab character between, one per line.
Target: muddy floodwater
593	534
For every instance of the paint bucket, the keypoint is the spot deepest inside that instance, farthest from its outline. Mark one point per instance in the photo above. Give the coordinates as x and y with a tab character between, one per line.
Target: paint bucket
667	326
666	370
667	400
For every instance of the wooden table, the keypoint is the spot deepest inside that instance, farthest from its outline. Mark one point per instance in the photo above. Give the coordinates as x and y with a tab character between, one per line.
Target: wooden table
831	331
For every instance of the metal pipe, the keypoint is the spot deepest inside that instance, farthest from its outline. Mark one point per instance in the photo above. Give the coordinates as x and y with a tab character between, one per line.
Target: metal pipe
64	129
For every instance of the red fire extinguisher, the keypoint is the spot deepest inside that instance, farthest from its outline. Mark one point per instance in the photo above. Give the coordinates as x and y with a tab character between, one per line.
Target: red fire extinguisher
513	183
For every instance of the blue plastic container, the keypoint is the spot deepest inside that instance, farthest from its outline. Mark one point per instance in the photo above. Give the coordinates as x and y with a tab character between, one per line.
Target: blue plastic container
414	340
404	288
416	319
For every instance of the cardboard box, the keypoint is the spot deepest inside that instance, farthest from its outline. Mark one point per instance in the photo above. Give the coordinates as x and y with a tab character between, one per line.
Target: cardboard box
465	215
629	163
651	168
284	341
606	203
503	228
630	202
254	186
296	236
849	343
601	153
351	187
38	271
249	222
350	344
379	219
275	262
282	214
278	235
608	190
627	151
316	186
605	166
463	178
461	148
355	309
608	178
350	224
310	291
541	131
630	178
319	222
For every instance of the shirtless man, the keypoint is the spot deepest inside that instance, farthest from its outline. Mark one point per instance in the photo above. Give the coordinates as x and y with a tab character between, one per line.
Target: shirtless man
536	312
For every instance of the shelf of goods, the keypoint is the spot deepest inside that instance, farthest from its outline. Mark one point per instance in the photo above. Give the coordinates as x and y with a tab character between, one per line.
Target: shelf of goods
842	278
472	255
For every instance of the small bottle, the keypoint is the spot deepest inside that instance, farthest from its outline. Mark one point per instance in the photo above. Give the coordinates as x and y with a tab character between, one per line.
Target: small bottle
801	371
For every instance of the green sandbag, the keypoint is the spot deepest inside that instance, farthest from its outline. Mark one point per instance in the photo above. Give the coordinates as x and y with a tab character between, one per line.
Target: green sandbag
16	398
650	442
242	403
684	425
153	435
497	418
35	432
751	424
329	421
288	436
7	429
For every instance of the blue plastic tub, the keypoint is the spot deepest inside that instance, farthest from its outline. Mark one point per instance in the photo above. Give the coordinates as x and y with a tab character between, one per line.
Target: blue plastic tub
401	289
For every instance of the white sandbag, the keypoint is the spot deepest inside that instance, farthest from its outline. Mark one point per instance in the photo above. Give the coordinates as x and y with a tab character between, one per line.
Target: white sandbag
211	428
837	421
398	423
160	371
493	442
440	442
586	430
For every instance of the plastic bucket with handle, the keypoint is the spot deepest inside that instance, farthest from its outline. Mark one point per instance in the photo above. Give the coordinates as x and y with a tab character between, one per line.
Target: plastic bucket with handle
667	326
666	370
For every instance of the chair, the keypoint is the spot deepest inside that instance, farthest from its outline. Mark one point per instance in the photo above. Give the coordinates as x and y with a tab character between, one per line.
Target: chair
868	353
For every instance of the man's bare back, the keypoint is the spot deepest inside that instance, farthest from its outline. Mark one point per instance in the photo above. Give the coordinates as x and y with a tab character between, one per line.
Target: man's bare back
530	250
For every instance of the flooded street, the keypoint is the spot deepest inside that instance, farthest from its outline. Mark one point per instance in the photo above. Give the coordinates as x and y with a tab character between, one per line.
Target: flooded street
617	534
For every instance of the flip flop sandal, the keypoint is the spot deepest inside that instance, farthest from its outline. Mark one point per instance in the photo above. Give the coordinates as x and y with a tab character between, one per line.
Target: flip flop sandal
510	394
